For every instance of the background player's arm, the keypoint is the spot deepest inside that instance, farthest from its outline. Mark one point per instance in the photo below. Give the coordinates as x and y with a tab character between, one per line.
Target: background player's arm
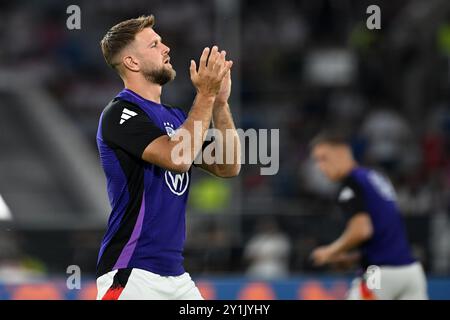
229	139
358	230
346	260
207	81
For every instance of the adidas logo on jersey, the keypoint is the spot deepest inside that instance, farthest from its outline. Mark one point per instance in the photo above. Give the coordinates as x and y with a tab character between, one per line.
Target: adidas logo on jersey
346	194
126	114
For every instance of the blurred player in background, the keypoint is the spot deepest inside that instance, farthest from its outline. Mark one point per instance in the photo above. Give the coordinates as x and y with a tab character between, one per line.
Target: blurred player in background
141	253
374	226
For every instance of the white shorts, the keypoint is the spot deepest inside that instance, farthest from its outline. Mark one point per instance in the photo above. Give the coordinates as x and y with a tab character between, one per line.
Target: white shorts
138	284
391	283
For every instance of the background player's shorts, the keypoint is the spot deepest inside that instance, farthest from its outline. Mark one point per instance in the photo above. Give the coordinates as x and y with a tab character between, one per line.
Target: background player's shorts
395	283
138	284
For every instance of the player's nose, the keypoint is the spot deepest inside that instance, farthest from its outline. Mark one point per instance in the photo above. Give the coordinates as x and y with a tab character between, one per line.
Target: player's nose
166	50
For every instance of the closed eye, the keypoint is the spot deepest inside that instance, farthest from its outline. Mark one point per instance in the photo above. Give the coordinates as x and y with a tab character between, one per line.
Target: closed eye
154	44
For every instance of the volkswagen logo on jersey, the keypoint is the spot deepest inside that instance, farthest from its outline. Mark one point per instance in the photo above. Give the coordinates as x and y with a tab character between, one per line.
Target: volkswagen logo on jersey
177	182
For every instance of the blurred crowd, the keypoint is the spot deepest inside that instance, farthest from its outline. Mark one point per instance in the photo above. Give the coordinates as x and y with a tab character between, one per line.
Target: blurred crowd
303	66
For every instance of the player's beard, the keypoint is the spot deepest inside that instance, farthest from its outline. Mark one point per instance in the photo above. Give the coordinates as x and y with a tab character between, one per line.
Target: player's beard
159	76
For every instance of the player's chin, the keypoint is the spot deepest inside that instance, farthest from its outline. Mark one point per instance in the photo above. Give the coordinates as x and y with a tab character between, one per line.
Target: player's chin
173	73
332	176
168	66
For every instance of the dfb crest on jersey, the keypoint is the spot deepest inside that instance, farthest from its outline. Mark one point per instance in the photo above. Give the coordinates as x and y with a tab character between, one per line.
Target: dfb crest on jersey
169	129
177	182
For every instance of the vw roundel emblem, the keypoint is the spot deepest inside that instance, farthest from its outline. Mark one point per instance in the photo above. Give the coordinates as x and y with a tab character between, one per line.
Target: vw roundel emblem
177	182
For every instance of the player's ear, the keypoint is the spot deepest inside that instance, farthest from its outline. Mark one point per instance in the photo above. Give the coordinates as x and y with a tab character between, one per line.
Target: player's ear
130	63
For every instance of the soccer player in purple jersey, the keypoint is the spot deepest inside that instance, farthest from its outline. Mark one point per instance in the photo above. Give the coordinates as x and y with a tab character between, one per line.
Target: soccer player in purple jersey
374	227
141	253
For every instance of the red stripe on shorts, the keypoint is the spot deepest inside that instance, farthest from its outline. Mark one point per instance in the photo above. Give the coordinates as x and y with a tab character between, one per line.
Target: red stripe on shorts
113	293
366	293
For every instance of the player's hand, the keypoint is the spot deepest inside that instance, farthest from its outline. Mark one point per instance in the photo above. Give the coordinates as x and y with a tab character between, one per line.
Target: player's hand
322	255
211	71
225	90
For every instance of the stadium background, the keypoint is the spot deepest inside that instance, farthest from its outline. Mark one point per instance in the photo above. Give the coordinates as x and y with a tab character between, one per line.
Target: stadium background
300	66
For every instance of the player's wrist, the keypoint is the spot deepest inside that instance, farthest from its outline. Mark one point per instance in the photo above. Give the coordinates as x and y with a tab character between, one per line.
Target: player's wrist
206	96
218	103
333	250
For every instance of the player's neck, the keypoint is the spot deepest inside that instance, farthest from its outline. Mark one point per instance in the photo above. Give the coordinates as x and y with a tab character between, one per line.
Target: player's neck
145	89
349	167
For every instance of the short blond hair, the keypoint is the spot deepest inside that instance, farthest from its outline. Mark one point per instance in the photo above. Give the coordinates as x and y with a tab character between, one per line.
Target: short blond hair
121	35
